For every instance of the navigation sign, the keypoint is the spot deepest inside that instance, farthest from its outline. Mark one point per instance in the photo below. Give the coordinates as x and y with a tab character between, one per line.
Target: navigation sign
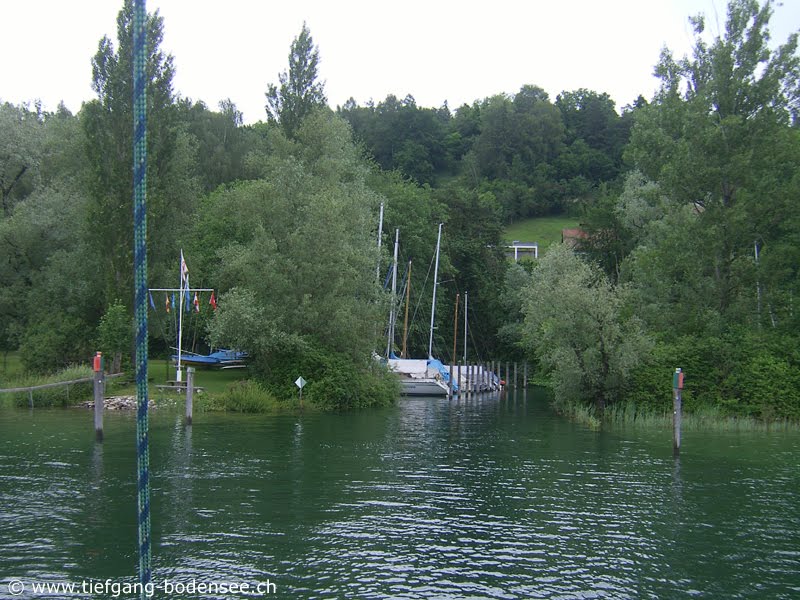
300	382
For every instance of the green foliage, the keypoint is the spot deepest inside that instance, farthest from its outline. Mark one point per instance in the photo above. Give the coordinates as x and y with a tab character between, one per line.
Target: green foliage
399	135
334	383
115	336
717	139
299	93
108	133
738	372
581	329
299	272
54	342
244	397
51	396
20	153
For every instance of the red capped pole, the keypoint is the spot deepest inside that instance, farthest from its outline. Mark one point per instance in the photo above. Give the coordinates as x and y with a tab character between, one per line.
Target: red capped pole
99	385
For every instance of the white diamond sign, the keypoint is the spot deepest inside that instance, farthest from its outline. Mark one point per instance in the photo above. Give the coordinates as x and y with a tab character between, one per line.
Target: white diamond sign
300	382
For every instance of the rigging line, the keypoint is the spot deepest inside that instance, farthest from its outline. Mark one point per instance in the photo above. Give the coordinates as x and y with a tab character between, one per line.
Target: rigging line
470	334
422	291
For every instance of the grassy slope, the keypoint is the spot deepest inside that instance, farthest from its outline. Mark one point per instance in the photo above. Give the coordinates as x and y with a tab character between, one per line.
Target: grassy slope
544	230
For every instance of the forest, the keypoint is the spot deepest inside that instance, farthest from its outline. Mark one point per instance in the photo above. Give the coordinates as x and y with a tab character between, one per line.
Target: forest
688	204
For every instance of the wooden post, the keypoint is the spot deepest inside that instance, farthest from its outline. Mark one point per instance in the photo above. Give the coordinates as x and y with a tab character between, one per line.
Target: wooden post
189	394
508	374
455	341
459	379
677	393
99	389
525	374
515	375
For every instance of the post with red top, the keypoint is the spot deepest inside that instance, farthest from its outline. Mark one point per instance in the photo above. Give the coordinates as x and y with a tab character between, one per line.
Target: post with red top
99	389
677	391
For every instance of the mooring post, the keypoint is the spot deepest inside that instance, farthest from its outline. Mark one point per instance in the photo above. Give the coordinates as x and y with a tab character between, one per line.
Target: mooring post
189	393
525	374
97	367
508	374
677	392
515	374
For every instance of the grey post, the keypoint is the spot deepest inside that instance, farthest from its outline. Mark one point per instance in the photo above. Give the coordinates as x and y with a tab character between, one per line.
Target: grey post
515	374
525	374
189	393
677	393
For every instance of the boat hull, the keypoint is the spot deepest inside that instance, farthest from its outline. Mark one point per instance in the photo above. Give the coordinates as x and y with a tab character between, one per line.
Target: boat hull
416	387
418	378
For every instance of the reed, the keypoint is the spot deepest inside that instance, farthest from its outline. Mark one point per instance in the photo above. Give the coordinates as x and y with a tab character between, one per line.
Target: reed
703	418
66	395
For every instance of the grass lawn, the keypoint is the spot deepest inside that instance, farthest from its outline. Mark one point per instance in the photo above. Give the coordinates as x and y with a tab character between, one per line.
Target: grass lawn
543	230
160	371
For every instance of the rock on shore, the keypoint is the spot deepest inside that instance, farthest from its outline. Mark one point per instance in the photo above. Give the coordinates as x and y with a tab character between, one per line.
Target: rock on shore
117	403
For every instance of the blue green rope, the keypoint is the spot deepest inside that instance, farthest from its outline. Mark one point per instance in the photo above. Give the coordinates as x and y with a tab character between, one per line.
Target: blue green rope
140	281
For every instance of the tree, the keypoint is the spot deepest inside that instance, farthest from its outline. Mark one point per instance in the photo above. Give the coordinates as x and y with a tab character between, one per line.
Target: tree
303	262
299	93
579	326
20	153
115	335
108	124
718	137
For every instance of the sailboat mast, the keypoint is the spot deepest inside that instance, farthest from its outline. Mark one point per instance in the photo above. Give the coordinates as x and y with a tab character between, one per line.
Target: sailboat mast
403	353
180	318
380	235
435	281
466	310
390	341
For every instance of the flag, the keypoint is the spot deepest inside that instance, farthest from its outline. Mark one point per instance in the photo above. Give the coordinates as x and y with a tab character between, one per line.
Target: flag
187	304
184	272
213	301
167	303
152	304
173	302
196	303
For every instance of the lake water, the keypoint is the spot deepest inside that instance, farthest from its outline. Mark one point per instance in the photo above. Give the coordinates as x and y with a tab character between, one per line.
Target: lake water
494	498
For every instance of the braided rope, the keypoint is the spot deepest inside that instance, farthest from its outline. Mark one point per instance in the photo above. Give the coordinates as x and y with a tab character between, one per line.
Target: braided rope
140	281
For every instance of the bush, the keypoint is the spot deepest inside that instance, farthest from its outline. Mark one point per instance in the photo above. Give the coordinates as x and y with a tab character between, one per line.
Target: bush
738	373
334	382
55	342
244	397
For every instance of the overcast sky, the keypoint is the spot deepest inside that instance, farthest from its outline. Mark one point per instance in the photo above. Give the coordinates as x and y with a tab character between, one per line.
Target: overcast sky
435	50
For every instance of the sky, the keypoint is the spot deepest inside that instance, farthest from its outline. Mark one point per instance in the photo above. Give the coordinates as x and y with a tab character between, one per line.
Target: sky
435	50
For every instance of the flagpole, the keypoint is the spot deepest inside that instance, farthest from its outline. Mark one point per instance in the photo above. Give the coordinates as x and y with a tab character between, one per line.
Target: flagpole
180	321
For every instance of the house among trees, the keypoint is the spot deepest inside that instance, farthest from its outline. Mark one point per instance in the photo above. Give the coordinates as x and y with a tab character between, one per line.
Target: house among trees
519	250
572	237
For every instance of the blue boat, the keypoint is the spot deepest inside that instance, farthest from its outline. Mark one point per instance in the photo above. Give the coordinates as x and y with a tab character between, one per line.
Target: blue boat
223	359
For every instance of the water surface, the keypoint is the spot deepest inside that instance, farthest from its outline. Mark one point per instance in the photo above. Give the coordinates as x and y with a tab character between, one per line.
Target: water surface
495	498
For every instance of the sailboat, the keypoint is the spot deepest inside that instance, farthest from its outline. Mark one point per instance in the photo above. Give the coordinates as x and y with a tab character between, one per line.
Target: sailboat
419	376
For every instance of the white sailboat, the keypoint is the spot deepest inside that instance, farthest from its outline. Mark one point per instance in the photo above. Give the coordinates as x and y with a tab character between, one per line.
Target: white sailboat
419	376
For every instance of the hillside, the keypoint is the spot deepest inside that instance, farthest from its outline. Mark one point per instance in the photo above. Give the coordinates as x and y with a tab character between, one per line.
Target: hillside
543	230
